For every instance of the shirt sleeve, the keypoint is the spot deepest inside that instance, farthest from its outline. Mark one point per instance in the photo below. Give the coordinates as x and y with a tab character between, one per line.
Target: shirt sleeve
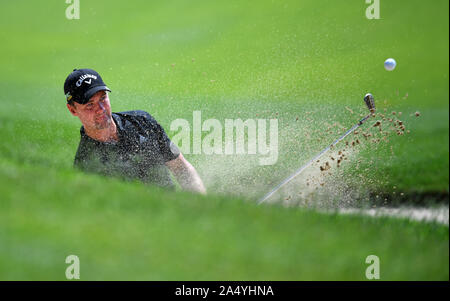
82	159
168	149
80	156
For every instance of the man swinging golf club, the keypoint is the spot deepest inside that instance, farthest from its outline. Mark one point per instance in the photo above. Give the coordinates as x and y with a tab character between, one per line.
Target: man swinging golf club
130	145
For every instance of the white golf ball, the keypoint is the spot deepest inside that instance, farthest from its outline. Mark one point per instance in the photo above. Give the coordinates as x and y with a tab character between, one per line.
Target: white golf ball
390	64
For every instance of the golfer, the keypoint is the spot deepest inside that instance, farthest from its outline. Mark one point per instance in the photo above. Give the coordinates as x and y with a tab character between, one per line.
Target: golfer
130	145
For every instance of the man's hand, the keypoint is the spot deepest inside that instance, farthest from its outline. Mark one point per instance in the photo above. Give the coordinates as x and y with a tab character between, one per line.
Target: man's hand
186	174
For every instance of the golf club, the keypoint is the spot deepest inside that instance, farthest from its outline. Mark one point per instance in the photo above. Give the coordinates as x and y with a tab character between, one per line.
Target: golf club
370	103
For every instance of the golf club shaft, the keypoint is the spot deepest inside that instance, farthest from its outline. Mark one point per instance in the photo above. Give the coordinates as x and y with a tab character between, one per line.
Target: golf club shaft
300	170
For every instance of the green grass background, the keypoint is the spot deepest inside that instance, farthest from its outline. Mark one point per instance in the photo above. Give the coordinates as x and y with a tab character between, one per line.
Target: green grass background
229	59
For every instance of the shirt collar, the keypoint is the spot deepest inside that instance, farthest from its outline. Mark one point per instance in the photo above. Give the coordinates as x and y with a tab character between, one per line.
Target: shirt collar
118	122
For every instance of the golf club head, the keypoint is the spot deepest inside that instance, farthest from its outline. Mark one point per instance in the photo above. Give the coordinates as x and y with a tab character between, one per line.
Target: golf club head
370	103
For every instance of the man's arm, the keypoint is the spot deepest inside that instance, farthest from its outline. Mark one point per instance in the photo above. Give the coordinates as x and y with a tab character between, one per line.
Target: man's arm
186	174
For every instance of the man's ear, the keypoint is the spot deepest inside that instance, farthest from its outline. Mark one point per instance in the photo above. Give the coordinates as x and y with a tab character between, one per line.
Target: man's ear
72	109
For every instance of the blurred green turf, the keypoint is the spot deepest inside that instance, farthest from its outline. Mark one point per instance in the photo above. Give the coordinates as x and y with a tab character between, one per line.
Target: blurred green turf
229	59
153	234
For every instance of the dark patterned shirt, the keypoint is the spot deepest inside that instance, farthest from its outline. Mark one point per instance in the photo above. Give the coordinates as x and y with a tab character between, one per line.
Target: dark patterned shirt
140	153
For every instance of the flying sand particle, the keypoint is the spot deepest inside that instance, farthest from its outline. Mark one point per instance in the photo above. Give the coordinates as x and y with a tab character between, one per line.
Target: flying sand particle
350	110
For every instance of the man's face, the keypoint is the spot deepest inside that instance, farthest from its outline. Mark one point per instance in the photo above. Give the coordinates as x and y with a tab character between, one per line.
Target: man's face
95	114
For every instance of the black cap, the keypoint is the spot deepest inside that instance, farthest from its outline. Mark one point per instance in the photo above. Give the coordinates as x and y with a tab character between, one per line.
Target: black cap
82	84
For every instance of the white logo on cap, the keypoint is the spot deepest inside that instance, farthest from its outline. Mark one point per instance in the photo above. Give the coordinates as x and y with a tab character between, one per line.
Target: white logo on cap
85	76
